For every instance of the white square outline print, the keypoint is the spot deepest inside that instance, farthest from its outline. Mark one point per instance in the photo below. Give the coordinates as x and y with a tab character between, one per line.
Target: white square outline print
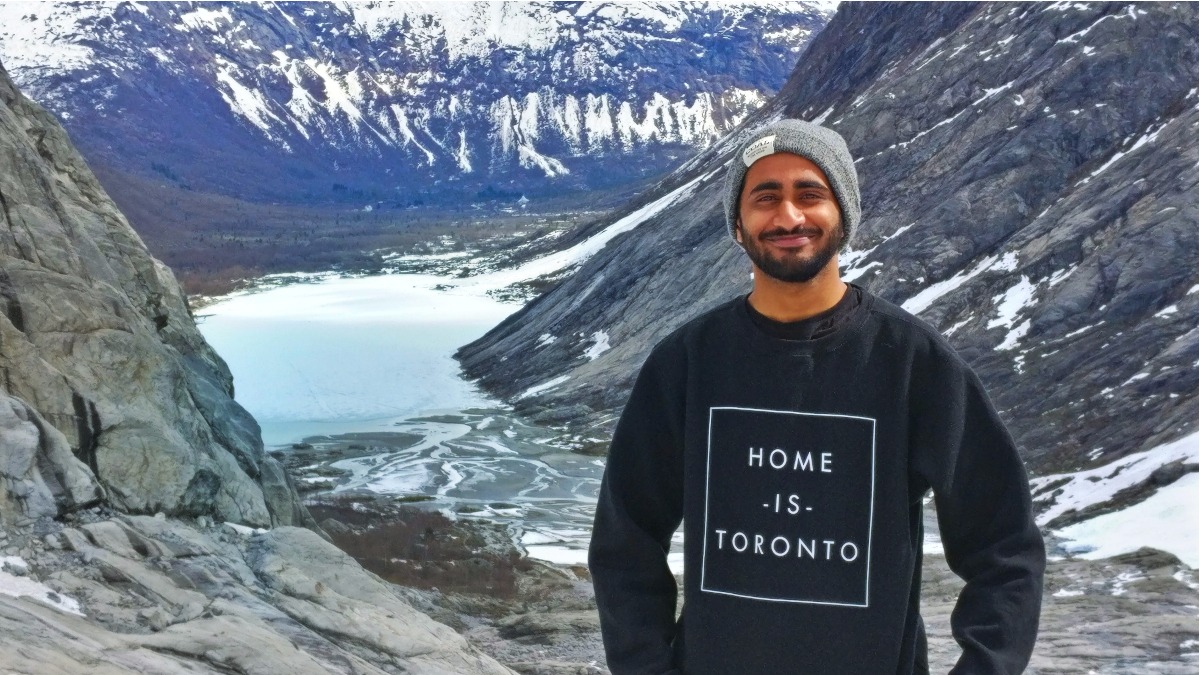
870	522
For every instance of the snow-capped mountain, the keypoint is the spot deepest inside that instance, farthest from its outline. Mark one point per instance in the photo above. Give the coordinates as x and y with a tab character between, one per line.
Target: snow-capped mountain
385	100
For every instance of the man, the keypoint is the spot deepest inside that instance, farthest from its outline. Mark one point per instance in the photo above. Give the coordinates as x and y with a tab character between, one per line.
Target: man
795	432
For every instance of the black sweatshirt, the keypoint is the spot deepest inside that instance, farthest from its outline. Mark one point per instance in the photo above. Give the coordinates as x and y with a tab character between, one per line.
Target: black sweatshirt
798	468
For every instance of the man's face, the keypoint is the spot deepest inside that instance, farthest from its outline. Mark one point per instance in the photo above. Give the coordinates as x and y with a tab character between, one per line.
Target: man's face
788	218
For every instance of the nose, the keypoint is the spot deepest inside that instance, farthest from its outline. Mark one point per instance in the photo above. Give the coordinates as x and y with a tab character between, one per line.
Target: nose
790	214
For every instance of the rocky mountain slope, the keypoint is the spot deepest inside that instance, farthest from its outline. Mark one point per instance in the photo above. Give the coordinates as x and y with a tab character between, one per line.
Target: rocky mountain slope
1029	188
394	102
101	358
117	418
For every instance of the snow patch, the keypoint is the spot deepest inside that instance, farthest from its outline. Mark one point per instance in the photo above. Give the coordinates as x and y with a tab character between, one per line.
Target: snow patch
1059	276
1010	340
530	158
925	299
943	123
339	94
850	259
577	254
1148	137
205	19
461	155
1081	331
249	104
1165	521
1007	263
244	530
820	119
545	386
950	331
988	93
22	585
406	133
599	345
1008	305
854	274
926	62
899	231
1135	378
1095	486
1075	37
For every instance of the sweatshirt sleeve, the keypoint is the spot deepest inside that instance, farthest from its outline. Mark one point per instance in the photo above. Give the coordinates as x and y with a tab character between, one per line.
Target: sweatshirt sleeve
985	517
640	505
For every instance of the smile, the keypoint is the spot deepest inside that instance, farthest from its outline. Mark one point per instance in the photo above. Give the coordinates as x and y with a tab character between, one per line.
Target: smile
798	239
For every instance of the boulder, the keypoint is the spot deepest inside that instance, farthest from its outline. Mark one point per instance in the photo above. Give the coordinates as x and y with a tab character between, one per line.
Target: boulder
39	477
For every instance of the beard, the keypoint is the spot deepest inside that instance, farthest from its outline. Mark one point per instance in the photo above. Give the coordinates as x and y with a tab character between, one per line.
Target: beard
792	267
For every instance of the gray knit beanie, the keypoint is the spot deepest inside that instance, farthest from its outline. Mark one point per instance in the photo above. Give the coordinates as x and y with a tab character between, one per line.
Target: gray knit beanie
823	147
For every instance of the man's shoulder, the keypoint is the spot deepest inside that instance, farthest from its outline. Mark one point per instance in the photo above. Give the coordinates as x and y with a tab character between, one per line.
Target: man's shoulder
716	318
705	328
911	328
891	313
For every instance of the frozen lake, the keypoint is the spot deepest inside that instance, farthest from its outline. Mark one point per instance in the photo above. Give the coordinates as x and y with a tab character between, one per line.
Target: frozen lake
375	355
354	354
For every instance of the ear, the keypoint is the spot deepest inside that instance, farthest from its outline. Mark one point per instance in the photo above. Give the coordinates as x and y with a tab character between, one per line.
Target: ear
737	230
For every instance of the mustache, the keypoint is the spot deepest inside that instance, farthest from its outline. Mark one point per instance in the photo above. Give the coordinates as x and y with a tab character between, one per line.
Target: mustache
785	232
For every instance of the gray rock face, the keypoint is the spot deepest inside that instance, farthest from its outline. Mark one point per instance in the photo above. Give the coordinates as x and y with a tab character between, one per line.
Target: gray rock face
39	477
97	342
161	596
1029	188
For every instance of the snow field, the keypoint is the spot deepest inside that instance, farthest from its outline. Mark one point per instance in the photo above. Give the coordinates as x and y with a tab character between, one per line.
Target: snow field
1166	521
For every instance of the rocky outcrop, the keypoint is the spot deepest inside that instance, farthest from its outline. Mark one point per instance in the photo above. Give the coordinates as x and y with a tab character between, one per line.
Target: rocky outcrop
138	594
1029	188
39	476
100	357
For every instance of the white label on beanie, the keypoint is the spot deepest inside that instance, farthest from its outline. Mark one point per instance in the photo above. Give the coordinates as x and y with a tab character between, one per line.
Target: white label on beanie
758	149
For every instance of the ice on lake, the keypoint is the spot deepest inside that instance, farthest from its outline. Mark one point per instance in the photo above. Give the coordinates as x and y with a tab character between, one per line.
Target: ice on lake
349	354
375	354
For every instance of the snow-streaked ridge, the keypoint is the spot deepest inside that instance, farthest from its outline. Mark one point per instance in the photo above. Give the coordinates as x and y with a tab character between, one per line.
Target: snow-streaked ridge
303	88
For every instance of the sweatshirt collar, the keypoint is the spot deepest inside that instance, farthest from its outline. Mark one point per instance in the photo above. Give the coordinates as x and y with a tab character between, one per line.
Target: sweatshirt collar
827	329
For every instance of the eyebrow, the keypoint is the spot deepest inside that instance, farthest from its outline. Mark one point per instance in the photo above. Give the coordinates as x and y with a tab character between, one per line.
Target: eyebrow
799	185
